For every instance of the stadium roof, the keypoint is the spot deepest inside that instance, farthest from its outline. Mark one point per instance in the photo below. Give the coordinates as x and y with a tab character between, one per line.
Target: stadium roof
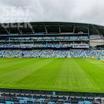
50	27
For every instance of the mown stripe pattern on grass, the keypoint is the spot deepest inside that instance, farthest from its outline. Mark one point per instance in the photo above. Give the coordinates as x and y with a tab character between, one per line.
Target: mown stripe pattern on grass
59	74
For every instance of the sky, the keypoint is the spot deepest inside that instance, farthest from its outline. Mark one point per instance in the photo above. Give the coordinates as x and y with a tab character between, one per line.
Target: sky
84	11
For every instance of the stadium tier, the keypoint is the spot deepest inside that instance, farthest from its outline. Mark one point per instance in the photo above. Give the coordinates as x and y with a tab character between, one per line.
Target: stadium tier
49	35
28	39
30	98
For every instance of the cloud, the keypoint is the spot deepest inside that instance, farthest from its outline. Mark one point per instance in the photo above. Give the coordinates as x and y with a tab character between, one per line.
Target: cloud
88	11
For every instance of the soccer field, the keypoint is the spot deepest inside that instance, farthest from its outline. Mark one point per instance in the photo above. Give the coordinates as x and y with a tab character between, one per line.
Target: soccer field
59	74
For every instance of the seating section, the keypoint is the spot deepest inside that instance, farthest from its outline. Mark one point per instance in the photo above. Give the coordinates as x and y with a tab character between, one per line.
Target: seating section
47	99
99	54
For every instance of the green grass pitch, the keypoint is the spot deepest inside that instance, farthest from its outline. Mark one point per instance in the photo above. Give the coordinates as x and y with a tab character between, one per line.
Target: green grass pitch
59	74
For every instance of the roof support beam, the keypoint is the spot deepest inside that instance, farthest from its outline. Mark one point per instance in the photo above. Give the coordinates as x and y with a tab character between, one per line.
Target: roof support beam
74	29
31	27
20	32
46	29
7	30
96	30
89	31
89	34
59	29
